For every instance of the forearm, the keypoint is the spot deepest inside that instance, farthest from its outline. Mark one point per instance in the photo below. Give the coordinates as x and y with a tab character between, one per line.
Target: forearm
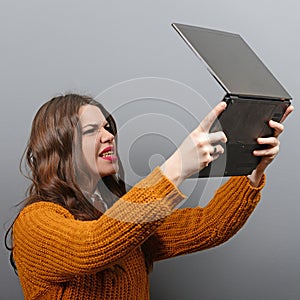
64	247
194	229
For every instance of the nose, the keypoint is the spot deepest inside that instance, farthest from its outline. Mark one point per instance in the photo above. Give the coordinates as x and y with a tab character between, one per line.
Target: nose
106	136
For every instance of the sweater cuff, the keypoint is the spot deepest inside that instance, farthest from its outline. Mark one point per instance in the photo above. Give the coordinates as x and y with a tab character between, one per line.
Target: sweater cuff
261	185
160	183
242	185
152	199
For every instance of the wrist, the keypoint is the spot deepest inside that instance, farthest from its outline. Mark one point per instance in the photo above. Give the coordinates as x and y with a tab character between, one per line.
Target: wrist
255	177
170	170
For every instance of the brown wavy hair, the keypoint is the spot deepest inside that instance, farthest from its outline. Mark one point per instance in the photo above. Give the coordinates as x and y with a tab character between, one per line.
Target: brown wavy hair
50	165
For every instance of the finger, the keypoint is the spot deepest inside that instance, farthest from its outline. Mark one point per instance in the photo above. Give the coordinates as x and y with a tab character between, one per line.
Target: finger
270	141
216	150
217	137
278	127
269	152
212	116
215	156
287	112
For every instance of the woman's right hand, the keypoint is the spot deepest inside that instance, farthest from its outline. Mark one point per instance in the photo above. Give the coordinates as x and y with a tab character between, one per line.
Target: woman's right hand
199	149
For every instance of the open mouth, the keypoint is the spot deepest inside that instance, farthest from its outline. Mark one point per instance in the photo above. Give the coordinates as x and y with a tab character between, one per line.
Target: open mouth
108	154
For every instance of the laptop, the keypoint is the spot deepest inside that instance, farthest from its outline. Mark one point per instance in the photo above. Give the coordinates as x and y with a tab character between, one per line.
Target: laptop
252	93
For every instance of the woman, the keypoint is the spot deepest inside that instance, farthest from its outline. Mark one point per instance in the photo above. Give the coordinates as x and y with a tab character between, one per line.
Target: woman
79	235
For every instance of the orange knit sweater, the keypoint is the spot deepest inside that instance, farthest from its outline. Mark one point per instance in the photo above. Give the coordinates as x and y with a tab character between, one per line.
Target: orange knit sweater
58	257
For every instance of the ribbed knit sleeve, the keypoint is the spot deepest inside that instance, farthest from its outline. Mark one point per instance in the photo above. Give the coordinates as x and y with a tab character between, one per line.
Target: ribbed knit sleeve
193	229
50	244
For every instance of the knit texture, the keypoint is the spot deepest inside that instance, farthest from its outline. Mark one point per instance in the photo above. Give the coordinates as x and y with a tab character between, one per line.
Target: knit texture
58	257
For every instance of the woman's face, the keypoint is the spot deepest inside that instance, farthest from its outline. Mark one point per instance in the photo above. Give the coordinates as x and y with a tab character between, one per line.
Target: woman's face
98	144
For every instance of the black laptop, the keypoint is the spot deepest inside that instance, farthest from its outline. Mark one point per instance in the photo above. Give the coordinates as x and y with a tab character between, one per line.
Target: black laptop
253	95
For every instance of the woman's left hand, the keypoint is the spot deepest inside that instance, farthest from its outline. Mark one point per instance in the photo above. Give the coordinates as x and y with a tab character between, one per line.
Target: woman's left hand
269	153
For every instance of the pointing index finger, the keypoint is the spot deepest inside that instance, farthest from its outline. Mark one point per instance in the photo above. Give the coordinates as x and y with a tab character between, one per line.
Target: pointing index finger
207	122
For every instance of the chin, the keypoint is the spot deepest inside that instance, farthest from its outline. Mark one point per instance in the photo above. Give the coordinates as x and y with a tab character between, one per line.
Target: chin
107	172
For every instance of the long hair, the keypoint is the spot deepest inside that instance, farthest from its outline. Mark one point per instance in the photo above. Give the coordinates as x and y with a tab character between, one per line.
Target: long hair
50	166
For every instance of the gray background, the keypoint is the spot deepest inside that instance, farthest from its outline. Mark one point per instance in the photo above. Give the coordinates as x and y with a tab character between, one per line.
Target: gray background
50	47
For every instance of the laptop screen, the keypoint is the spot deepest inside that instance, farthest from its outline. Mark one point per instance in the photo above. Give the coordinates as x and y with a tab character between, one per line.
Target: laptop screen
232	62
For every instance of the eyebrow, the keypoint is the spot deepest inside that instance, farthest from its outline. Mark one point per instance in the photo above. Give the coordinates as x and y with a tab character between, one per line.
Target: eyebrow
96	124
92	125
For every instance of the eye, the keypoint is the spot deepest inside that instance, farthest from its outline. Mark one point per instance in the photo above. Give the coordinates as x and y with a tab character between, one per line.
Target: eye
90	131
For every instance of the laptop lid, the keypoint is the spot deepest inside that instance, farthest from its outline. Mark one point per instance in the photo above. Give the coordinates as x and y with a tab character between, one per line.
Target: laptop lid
232	62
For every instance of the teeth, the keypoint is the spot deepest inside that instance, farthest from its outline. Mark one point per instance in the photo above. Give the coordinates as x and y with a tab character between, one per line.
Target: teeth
109	153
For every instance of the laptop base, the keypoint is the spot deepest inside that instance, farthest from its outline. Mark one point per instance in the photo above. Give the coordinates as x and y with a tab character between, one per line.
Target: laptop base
243	121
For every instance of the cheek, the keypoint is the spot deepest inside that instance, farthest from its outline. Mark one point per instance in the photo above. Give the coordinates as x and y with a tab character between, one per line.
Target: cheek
89	149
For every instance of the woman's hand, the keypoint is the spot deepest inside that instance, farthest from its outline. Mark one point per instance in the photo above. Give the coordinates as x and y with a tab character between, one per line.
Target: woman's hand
197	150
268	154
